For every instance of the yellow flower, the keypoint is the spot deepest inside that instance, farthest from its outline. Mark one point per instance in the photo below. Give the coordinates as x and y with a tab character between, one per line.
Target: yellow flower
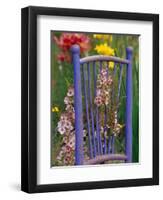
104	49
104	37
55	109
111	65
120	125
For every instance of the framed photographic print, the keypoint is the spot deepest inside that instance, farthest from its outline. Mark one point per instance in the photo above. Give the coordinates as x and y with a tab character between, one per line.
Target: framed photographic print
90	99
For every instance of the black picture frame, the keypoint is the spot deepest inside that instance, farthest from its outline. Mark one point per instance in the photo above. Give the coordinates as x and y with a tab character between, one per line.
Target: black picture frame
29	98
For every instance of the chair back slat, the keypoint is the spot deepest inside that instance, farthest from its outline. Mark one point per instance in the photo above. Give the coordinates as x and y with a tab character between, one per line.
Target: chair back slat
105	128
91	109
101	65
105	146
107	68
87	111
98	131
109	144
97	120
114	74
120	80
128	120
94	77
101	144
112	144
115	69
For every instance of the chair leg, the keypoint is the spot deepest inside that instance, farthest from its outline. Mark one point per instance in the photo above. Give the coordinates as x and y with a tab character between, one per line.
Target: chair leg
128	136
79	153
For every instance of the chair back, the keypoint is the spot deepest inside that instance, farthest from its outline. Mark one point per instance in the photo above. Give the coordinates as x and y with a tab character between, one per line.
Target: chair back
97	92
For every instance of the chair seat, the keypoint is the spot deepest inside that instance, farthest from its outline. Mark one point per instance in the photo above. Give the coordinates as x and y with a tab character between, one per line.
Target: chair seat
103	158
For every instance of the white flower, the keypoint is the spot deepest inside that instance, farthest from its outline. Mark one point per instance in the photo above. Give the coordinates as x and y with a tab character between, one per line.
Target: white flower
101	129
103	72
66	100
71	143
71	116
67	124
65	140
110	81
84	133
59	124
63	117
69	107
103	81
98	92
70	92
98	100
105	133
106	100
61	130
106	92
62	123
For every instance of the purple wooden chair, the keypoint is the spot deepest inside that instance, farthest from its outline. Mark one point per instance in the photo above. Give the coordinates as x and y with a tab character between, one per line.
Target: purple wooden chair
99	151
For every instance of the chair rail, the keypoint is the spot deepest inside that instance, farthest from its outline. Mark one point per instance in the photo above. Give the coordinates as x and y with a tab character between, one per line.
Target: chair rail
103	58
106	157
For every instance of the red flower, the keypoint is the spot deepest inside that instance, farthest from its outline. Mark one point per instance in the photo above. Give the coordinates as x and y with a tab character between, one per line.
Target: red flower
66	40
63	57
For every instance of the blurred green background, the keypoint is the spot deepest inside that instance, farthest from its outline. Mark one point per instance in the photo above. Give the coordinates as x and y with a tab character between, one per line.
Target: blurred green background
62	78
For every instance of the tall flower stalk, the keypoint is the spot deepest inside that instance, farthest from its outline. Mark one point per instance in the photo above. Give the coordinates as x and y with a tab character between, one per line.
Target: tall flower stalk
104	99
